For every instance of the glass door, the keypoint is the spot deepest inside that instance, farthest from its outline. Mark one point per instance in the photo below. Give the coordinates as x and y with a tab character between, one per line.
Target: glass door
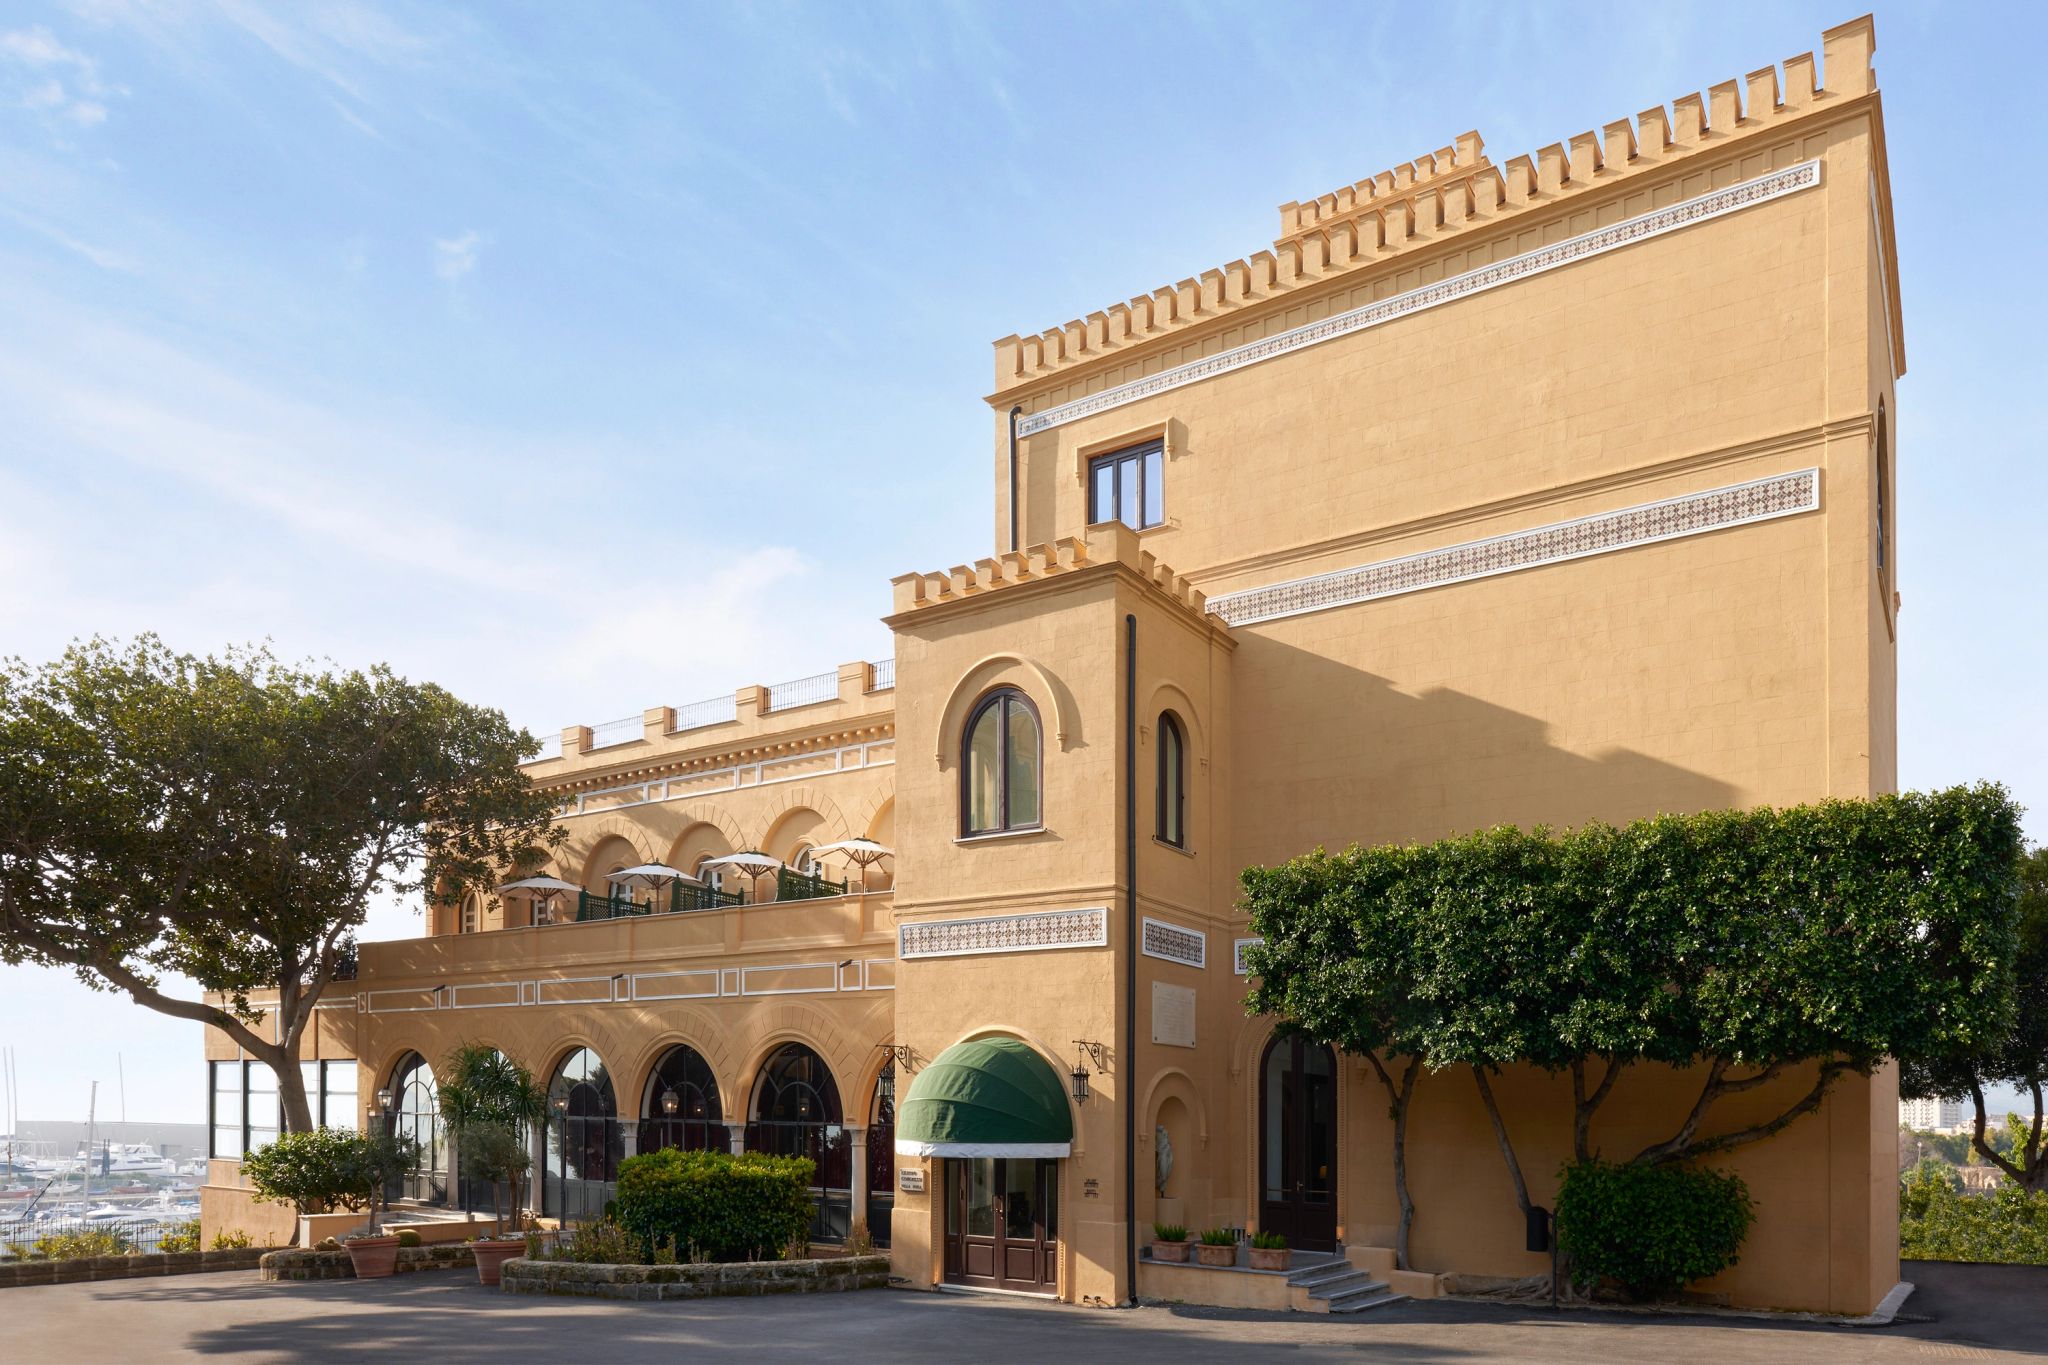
1298	1144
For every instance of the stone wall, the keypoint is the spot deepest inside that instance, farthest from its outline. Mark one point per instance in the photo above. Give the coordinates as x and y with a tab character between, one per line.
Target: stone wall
735	1279
13	1273
336	1265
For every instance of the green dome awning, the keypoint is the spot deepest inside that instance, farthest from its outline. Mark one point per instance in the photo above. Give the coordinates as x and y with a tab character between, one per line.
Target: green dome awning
986	1097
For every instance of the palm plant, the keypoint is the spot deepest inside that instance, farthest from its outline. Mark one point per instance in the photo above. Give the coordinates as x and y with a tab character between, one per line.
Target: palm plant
486	1099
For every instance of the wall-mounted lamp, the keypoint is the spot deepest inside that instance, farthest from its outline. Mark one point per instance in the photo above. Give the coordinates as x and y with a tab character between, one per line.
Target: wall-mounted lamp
669	1103
902	1054
384	1098
1093	1052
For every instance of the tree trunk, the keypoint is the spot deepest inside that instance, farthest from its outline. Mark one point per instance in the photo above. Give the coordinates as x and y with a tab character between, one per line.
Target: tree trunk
1500	1133
291	1092
2031	1171
1584	1105
1398	1098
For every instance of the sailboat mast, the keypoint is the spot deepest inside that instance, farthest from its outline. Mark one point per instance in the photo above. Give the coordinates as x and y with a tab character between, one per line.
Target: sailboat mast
92	1109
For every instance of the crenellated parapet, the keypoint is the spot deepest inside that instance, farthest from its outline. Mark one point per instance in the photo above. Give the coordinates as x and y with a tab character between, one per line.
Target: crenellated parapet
1102	546
1456	190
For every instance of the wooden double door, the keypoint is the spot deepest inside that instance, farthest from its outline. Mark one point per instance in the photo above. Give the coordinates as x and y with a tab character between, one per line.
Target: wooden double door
1298	1144
1002	1223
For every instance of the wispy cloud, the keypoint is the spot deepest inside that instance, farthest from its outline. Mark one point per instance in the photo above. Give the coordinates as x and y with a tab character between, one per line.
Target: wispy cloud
455	257
60	83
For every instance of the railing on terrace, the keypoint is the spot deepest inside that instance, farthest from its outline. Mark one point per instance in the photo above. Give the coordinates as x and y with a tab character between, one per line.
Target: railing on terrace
550	747
882	674
804	691
622	731
682	897
716	711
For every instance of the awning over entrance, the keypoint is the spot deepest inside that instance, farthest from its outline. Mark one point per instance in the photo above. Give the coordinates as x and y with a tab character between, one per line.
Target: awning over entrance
986	1097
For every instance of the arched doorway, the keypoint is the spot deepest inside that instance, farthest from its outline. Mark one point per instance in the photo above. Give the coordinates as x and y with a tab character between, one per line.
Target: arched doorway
416	1113
1298	1143
797	1113
882	1156
585	1139
681	1108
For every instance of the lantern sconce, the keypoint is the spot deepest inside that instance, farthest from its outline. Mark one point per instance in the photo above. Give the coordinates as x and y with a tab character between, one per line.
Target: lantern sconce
1091	1052
902	1054
669	1103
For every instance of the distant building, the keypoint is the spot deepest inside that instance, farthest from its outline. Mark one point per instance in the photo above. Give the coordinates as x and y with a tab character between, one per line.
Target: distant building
1932	1116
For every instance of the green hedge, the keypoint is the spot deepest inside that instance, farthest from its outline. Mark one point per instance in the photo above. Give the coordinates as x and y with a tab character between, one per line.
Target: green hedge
1652	1229
714	1205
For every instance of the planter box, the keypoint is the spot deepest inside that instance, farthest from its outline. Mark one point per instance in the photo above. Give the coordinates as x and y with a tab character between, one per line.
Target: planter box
1269	1258
373	1257
1170	1251
1208	1255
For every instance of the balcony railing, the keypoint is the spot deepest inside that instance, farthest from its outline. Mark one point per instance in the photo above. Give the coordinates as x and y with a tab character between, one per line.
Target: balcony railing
550	747
622	731
715	711
682	897
882	675
803	691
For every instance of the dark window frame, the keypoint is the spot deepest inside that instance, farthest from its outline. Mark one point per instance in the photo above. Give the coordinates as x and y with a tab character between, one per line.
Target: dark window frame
1003	698
1884	498
1172	796
1141	455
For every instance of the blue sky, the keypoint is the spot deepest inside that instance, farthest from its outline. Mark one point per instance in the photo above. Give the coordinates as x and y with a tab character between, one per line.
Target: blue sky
587	359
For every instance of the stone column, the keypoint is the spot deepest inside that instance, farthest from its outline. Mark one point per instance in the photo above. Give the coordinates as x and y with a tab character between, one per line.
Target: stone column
858	1141
738	1133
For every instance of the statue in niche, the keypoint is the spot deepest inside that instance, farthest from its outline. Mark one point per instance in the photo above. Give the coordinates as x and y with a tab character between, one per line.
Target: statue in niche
1162	1151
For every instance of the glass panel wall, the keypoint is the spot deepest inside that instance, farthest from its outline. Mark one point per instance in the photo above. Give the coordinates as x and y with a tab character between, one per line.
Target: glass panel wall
797	1113
586	1140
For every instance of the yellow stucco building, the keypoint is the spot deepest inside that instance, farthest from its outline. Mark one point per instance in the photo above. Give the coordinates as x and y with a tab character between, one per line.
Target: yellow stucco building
1533	491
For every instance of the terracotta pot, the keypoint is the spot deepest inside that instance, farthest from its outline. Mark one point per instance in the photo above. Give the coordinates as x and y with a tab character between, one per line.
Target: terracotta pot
373	1257
1269	1258
1170	1251
492	1253
1223	1255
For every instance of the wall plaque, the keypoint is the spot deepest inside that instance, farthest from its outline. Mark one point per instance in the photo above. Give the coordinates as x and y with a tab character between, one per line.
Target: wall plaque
1173	1015
910	1180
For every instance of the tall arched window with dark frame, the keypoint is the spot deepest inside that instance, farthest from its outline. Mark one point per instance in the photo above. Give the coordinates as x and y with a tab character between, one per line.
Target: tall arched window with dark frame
1000	766
1173	781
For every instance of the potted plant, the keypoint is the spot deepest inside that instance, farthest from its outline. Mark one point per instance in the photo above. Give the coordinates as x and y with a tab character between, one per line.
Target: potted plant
1269	1251
488	1100
1219	1247
315	1172
1169	1242
381	1158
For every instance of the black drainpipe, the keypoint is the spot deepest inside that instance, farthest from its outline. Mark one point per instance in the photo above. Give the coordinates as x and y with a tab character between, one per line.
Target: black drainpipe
1015	413
1126	1083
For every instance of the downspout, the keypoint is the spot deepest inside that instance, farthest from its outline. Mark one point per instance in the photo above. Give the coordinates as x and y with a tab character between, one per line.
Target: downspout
1126	1083
1015	413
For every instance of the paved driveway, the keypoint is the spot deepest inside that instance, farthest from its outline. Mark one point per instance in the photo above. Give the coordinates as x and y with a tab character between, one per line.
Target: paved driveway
448	1316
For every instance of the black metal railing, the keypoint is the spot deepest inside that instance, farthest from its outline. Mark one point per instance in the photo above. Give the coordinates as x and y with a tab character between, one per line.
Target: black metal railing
684	897
142	1235
791	885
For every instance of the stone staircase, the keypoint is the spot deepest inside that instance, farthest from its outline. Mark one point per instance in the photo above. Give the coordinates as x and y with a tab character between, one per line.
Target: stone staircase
1336	1286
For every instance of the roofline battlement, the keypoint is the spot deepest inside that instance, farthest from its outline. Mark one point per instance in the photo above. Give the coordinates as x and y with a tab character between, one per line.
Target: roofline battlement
1106	544
1451	191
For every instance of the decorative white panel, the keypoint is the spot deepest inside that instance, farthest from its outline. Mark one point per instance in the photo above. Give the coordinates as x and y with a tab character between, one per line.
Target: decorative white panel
1594	243
1737	505
1004	934
1237	954
698	985
1189	947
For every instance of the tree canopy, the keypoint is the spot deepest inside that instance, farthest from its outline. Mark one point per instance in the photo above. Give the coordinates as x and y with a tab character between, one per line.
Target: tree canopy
230	820
1747	943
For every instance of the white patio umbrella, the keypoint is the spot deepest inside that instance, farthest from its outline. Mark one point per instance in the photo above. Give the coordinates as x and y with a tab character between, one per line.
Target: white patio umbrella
863	853
755	865
539	890
654	876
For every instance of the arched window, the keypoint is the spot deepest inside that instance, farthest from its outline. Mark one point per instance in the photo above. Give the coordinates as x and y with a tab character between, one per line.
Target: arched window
999	775
585	1139
682	1108
416	1113
1173	781
804	861
882	1156
713	878
797	1113
472	913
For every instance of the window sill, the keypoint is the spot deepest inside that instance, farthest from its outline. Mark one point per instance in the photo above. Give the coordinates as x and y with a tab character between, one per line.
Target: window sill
1000	834
1171	847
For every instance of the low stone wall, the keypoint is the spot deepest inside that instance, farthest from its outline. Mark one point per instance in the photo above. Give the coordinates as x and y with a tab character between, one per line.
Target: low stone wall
13	1273
336	1265
734	1279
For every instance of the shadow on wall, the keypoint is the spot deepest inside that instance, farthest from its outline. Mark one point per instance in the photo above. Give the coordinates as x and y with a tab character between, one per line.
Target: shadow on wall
1326	753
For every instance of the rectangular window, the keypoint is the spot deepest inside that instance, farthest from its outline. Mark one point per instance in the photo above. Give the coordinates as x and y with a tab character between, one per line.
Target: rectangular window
261	1124
1129	486
338	1098
227	1109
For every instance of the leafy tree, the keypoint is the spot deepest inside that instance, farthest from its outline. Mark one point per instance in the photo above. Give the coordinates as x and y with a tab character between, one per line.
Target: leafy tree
2016	1055
319	1170
1914	1146
230	820
487	1100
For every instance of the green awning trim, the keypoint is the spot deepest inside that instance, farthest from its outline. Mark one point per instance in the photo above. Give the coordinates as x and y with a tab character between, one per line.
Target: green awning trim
986	1097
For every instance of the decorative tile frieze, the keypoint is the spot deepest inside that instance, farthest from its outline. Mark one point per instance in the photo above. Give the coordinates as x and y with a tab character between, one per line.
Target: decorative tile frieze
1237	954
1693	514
1033	932
1159	939
1595	243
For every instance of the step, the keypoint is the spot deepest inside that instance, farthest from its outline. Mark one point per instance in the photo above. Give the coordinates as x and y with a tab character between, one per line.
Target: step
1365	1303
1322	1273
1350	1287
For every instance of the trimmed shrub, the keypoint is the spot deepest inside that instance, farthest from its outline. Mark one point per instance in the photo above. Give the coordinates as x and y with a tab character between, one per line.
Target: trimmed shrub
1938	1222
318	1171
408	1238
723	1207
1651	1229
